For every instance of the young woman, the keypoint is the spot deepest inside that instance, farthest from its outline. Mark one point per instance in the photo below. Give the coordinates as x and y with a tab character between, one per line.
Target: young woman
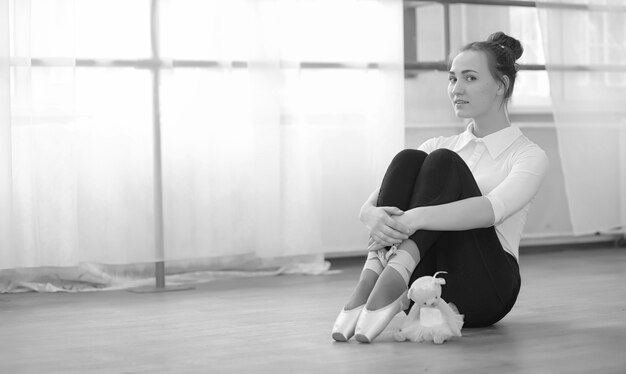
456	204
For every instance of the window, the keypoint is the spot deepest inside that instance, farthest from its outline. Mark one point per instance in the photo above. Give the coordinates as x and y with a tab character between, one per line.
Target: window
605	40
436	29
72	50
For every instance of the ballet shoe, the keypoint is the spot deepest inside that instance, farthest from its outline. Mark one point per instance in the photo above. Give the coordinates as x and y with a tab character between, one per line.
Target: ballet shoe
372	322
343	329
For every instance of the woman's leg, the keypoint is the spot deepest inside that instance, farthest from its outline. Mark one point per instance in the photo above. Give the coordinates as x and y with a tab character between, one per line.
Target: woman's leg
396	190
369	275
482	280
346	321
398	185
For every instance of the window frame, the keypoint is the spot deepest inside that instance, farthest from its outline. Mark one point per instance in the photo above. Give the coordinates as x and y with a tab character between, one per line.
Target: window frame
542	111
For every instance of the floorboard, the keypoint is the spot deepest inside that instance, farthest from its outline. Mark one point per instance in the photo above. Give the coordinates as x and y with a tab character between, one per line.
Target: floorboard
570	318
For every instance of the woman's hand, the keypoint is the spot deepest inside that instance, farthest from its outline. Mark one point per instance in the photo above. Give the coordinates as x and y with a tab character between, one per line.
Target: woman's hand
409	220
383	224
373	245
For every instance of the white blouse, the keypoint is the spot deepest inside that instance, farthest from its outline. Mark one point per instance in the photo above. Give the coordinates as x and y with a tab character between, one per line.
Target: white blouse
508	169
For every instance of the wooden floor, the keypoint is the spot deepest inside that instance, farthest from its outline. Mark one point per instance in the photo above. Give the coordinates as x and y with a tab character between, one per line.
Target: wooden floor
570	318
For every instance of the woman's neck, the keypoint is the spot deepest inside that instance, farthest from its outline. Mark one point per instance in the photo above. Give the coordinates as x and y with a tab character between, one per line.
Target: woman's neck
490	123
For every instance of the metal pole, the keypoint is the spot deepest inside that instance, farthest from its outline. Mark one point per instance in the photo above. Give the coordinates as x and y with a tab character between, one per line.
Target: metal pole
159	271
157	164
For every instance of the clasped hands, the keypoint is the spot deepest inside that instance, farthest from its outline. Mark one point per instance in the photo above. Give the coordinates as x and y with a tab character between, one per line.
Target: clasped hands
387	226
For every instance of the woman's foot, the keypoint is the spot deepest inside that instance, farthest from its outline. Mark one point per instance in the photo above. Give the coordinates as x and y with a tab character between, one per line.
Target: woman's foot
372	322
389	295
345	324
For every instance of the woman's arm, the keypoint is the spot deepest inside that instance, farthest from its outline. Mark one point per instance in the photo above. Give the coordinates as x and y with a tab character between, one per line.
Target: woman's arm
466	214
369	203
511	195
380	222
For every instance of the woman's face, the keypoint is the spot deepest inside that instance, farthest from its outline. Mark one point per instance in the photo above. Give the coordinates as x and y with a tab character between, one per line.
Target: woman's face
472	89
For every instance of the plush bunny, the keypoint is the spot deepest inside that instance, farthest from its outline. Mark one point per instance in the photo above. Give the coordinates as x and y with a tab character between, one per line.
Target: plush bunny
430	318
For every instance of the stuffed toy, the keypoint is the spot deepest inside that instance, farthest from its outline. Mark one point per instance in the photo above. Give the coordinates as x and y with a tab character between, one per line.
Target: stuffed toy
430	318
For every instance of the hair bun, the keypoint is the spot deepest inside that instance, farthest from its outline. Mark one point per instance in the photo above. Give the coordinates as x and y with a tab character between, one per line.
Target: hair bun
507	41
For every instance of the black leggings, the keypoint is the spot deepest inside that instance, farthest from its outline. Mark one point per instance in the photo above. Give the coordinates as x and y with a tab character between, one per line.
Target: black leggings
483	280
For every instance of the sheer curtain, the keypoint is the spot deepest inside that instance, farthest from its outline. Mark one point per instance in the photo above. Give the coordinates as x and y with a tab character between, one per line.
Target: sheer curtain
5	131
80	137
288	154
278	119
586	59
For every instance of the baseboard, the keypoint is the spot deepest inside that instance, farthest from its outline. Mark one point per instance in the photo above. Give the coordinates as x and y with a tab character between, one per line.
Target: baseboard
536	244
599	238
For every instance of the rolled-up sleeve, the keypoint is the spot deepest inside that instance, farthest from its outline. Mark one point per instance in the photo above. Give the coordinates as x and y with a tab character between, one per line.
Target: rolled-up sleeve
520	185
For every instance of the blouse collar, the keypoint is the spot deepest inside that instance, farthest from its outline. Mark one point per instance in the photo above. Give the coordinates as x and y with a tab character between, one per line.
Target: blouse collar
495	143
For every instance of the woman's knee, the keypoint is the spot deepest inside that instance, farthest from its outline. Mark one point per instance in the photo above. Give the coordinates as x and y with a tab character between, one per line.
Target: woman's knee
409	156
442	162
442	156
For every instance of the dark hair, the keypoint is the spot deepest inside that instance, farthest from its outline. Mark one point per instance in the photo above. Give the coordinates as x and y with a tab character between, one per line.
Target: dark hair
502	51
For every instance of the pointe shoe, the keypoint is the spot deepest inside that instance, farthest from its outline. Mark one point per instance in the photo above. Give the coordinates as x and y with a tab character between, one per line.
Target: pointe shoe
345	323
372	322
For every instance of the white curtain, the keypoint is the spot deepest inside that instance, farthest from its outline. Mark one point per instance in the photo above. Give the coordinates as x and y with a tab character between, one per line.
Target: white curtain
586	62
261	155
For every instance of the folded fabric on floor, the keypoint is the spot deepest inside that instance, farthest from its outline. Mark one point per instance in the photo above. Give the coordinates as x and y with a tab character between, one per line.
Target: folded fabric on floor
98	277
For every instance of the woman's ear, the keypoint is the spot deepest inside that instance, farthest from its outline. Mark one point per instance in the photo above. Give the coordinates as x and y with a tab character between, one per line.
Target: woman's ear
503	85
